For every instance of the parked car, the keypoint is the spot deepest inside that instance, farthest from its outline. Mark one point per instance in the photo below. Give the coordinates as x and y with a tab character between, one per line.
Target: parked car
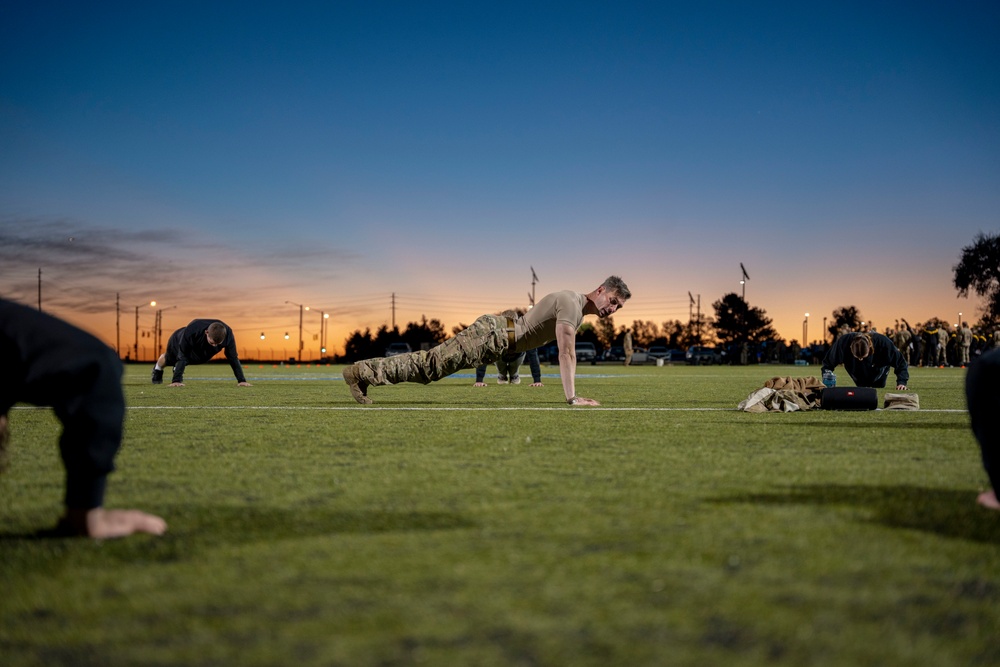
548	353
614	353
658	352
639	356
678	356
397	348
699	355
585	351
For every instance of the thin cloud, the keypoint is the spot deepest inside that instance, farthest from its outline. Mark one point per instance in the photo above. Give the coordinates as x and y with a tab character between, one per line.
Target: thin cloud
84	267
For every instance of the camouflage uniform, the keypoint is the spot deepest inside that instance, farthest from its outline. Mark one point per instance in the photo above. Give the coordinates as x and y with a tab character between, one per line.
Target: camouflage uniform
902	341
965	340
485	341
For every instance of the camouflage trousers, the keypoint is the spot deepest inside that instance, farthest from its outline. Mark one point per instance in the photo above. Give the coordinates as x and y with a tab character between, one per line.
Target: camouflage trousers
483	342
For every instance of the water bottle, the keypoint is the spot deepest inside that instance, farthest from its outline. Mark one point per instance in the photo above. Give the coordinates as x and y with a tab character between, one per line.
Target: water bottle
829	379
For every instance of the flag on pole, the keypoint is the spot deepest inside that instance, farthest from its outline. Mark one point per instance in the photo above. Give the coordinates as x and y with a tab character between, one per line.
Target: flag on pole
534	277
691	297
745	276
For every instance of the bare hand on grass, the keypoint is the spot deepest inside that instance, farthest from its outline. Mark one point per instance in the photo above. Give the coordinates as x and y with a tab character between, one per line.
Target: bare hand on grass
100	523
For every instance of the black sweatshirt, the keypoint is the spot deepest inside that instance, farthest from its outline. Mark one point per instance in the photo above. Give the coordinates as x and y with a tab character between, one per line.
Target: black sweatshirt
190	346
45	361
873	369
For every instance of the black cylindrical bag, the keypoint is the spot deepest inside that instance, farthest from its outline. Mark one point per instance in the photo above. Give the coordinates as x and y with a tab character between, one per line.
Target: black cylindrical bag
849	398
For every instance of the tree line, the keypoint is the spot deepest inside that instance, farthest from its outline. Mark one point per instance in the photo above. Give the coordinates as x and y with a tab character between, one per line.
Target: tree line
734	323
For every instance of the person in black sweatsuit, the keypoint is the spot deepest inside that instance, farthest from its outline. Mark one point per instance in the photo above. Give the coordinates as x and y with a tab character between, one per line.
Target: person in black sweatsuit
982	391
867	358
197	343
47	362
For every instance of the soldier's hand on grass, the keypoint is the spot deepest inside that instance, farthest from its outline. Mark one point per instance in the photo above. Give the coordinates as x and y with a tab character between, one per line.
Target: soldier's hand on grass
100	523
988	499
176	384
536	384
243	384
479	384
901	387
580	400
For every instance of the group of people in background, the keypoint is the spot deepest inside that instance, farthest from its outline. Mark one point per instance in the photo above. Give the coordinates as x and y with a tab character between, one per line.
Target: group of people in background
935	344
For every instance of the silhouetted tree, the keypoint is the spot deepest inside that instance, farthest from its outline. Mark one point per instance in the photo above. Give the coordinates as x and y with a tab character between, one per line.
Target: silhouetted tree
737	322
588	333
425	333
606	332
979	270
848	316
644	333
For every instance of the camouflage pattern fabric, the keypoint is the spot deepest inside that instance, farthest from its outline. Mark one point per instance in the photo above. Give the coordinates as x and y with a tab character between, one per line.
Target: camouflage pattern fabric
483	342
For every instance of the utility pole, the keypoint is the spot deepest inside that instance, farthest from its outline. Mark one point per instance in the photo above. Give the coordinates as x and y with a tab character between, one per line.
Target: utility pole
39	288
394	311
534	279
118	325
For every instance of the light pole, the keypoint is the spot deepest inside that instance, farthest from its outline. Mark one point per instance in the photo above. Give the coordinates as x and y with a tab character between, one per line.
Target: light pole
301	309
805	331
135	352
158	331
323	328
824	329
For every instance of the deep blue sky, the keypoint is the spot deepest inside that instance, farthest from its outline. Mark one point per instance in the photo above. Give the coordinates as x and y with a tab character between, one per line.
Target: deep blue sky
226	158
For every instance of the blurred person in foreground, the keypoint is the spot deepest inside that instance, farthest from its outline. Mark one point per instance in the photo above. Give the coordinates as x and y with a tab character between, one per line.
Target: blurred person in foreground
47	362
556	316
197	343
982	392
867	358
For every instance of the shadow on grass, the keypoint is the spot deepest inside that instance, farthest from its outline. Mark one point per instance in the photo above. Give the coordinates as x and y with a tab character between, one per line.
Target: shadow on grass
943	512
194	530
859	424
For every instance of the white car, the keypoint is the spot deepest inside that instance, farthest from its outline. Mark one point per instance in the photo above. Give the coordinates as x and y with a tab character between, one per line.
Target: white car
639	356
397	348
585	351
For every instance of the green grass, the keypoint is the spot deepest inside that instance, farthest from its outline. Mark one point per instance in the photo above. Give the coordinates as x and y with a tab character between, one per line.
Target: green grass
499	526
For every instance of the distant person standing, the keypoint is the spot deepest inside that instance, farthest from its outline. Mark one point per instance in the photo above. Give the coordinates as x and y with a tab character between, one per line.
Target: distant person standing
627	346
197	343
867	358
982	392
965	343
916	344
45	361
929	334
901	339
942	334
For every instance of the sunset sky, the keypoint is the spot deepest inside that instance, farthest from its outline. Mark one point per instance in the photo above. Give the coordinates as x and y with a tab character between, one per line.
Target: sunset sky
227	158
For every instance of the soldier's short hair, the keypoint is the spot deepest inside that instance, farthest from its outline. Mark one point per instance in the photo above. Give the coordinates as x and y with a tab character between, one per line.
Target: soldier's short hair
217	332
618	286
861	346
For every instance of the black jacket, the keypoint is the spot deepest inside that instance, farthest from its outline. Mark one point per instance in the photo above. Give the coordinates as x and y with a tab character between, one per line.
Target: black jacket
190	346
45	361
871	371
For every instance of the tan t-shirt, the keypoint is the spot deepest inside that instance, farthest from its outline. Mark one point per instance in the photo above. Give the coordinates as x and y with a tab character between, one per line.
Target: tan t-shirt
538	326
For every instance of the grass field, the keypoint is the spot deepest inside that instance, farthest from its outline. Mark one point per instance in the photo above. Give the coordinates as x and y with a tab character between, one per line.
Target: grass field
449	525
